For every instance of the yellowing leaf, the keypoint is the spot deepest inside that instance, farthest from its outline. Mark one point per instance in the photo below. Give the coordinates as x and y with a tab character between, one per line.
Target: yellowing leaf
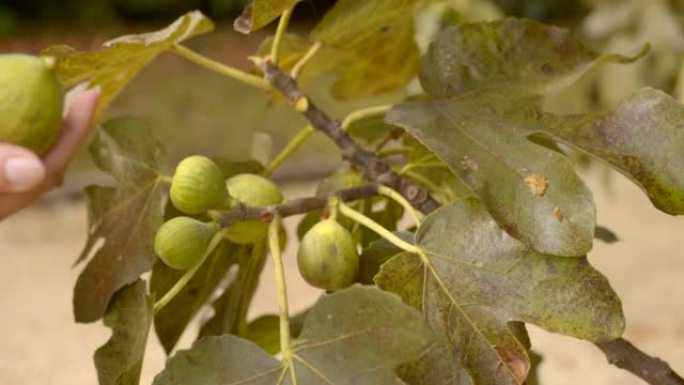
114	66
369	45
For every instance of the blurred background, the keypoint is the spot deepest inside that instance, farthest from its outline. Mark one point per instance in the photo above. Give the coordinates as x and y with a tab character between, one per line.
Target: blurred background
195	111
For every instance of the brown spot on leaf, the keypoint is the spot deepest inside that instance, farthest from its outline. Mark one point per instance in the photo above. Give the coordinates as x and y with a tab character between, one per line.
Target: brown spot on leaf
538	184
558	213
513	230
468	164
517	363
547	68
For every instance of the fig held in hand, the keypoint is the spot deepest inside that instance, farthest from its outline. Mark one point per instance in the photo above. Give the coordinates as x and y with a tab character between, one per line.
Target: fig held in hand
31	102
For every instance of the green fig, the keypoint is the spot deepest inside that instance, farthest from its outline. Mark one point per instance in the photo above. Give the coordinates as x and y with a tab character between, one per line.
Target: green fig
253	191
182	241
197	185
327	256
31	102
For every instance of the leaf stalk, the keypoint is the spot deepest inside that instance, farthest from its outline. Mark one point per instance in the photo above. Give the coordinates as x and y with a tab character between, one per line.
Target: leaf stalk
280	33
378	228
220	68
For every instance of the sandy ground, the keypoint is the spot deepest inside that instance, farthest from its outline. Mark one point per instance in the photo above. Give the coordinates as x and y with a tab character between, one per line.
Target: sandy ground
40	343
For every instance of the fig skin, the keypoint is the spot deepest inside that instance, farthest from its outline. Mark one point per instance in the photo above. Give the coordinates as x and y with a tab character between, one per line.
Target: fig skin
253	191
182	241
31	102
327	256
197	186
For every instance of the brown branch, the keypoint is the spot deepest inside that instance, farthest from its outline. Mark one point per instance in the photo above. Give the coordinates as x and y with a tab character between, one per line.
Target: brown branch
296	206
653	370
368	162
620	352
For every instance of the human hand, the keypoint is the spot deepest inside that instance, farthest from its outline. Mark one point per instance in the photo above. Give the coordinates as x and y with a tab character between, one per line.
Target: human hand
24	176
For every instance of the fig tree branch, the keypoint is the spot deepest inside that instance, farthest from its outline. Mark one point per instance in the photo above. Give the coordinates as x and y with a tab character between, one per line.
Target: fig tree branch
620	352
243	213
653	370
368	162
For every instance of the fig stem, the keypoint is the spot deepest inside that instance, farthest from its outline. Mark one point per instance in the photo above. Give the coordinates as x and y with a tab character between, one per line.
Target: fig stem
381	231
220	68
180	284
280	33
386	152
299	66
395	196
364	113
289	149
333	204
281	287
414	165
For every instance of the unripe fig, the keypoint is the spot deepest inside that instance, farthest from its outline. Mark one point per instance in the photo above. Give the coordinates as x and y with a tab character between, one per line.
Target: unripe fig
327	256
181	241
31	102
197	185
253	191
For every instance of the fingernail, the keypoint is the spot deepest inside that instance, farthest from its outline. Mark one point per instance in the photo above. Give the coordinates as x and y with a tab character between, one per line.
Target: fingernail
24	173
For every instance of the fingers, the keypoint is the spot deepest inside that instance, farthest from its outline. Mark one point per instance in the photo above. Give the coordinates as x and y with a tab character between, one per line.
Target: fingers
20	169
77	125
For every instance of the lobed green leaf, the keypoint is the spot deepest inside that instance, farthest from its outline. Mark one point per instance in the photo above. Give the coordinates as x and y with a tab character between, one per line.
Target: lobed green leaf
485	82
120	61
124	218
356	336
472	283
643	138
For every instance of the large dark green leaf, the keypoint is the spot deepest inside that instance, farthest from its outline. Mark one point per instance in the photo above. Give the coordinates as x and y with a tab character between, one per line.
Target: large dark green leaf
114	66
356	336
258	13
124	218
484	79
522	184
119	361
474	279
171	321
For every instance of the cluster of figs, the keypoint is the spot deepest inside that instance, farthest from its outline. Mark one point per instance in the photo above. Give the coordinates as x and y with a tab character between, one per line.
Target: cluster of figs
31	108
327	257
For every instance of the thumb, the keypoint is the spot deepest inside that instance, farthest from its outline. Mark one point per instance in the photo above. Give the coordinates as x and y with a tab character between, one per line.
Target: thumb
20	169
